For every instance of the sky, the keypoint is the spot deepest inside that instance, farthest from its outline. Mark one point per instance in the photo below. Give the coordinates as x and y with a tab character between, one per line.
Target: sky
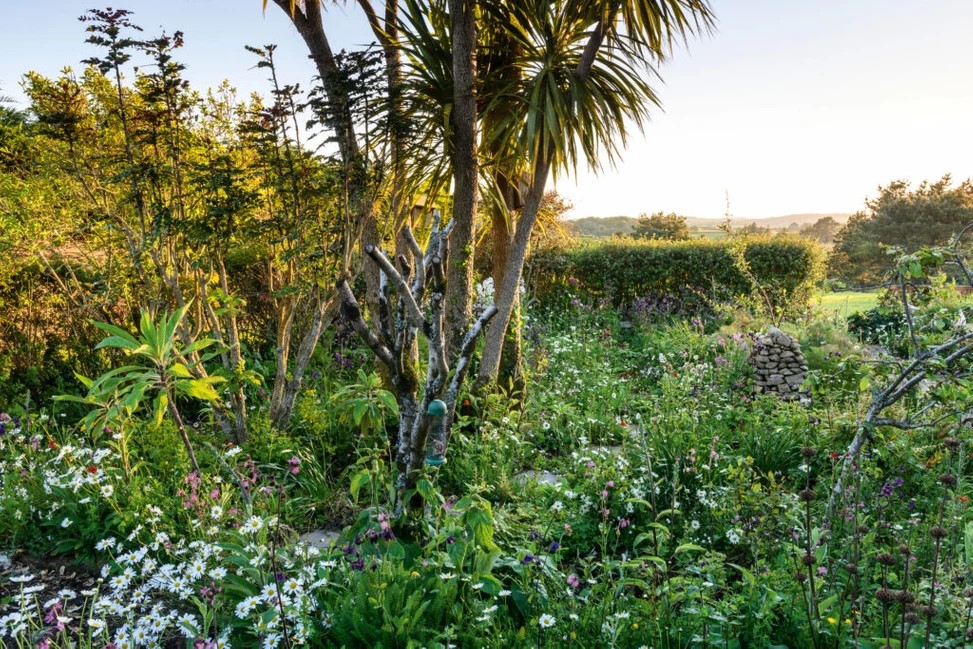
787	107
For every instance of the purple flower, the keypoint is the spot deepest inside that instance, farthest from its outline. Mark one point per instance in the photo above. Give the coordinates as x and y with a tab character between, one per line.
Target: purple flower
573	580
554	546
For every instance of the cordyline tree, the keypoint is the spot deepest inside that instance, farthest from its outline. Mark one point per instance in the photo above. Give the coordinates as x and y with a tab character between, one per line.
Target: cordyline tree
567	80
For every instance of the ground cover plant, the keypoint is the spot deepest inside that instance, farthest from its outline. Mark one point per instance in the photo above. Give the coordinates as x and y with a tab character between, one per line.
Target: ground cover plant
683	511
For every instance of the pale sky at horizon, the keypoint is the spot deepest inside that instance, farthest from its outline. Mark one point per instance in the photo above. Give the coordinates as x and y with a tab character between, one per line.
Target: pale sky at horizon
791	107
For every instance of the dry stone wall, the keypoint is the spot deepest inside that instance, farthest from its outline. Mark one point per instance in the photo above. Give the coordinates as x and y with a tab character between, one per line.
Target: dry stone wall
778	364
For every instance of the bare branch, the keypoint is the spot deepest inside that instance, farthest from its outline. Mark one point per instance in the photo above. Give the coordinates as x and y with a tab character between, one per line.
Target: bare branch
463	362
353	312
907	424
419	281
908	315
412	310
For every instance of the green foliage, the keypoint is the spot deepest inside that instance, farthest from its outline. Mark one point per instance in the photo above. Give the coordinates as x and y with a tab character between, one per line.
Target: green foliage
899	217
666	227
823	230
163	372
881	325
621	271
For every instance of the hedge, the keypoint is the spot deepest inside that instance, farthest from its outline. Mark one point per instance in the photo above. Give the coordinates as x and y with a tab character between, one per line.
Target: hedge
623	270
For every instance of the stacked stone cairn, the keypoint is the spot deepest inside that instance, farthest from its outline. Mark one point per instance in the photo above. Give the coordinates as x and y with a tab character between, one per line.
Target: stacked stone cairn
778	364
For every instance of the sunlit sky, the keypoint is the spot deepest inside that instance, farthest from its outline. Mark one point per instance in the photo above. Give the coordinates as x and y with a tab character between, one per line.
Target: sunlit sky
787	107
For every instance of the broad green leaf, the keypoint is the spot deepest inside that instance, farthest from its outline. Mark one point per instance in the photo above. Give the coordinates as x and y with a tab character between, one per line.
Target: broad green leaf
689	547
428	492
116	331
117	342
358	481
198	389
180	370
159	411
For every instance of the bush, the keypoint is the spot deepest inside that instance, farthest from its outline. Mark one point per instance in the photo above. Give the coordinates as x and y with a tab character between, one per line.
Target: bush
624	270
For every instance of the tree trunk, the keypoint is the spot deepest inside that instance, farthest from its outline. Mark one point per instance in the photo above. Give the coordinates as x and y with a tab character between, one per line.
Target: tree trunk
459	274
511	372
506	293
324	313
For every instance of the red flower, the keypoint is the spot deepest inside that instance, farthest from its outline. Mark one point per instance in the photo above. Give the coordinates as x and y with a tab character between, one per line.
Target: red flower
92	469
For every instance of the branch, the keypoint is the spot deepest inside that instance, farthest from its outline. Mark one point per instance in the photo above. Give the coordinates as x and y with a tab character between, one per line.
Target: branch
353	312
908	315
898	388
438	241
401	287
419	281
377	30
463	362
907	424
437	351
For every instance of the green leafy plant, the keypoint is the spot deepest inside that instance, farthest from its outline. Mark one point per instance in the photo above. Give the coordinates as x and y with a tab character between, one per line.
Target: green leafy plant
161	372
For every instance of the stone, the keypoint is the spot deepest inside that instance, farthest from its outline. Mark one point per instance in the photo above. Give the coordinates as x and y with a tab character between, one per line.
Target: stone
540	477
778	365
322	539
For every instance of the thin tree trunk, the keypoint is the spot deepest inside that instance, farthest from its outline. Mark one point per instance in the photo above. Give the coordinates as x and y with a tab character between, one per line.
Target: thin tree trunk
506	293
511	372
324	313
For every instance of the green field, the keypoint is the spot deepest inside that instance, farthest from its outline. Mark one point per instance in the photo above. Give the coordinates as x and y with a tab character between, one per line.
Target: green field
847	302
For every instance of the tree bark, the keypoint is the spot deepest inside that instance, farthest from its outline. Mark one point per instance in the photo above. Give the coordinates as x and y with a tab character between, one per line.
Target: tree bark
459	274
510	373
507	293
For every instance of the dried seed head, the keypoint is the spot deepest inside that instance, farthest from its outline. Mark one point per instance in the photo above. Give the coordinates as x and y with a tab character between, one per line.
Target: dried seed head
885	558
862	529
800	576
904	550
807	560
853	568
952	443
911	618
948	479
885	595
928	611
904	596
807	495
938	532
807	452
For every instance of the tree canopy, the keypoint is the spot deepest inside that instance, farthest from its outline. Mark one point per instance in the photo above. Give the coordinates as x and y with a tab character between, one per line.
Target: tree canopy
671	227
902	218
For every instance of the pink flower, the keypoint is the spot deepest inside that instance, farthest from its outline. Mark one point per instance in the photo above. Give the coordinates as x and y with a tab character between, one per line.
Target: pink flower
573	580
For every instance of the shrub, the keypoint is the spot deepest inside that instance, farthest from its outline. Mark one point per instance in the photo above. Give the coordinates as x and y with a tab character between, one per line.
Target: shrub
624	270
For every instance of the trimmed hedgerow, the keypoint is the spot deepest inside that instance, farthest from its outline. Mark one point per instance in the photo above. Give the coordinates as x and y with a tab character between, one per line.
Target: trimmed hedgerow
783	269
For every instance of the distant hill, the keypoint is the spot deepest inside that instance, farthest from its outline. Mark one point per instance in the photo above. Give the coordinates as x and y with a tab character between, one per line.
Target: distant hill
595	226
